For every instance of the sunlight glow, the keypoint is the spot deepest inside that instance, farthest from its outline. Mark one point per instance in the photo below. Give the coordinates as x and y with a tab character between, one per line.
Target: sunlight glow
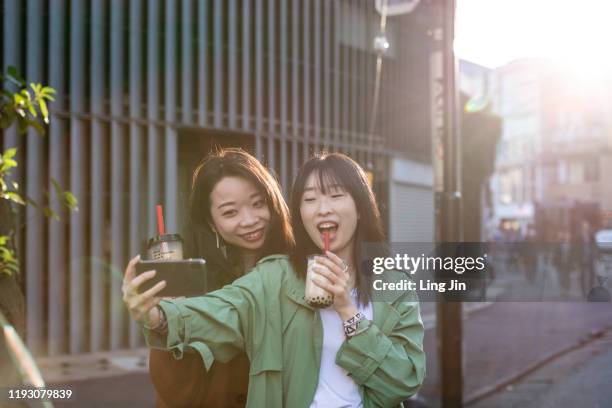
573	34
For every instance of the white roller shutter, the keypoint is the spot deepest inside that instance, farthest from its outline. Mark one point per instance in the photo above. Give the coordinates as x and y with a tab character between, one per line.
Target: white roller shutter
411	202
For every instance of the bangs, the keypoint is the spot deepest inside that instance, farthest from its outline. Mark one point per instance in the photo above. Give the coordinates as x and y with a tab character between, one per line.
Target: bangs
328	180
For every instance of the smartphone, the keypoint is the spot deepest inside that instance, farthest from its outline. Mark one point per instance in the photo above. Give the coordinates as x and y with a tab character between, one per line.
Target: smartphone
186	277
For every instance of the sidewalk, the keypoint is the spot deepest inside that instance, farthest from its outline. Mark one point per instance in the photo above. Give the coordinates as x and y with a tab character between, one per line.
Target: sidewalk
105	379
580	378
504	339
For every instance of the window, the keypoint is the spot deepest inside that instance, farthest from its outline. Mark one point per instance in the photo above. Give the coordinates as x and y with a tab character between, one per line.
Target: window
576	172
591	170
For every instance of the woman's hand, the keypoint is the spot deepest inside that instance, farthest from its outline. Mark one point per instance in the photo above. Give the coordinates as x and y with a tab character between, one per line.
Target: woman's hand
337	282
141	305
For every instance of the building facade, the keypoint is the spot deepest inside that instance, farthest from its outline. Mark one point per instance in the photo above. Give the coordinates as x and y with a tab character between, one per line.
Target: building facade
556	142
146	88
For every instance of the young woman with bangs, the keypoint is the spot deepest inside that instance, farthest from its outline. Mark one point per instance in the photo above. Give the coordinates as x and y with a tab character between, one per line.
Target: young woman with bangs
356	353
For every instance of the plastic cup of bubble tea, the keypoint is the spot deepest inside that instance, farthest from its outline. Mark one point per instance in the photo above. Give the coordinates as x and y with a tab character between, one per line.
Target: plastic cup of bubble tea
316	296
166	247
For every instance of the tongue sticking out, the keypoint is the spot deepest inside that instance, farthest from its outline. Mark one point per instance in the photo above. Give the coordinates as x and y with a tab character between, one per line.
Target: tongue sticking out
326	241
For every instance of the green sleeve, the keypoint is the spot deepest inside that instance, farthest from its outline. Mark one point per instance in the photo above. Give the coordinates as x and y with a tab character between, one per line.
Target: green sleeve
216	325
390	368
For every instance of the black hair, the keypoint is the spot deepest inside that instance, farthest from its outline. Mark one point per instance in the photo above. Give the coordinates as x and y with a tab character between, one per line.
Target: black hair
338	169
236	162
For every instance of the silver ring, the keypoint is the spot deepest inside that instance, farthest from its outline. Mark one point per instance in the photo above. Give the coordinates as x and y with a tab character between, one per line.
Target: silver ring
345	267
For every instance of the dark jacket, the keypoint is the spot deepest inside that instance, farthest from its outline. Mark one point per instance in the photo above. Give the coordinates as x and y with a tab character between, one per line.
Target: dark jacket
185	382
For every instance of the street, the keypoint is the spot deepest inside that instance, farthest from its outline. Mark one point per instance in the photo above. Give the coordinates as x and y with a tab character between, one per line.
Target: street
515	354
501	342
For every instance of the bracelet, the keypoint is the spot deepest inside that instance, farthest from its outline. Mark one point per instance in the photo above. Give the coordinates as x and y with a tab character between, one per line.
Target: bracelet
162	325
350	326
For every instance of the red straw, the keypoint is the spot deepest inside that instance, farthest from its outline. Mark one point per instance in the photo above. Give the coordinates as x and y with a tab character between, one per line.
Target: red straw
160	219
326	241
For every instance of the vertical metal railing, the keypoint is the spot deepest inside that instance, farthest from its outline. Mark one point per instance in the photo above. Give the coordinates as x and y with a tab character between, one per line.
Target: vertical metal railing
246	65
78	138
136	146
337	75
153	105
34	250
316	31
203	63
58	140
295	86
171	146
129	76
186	60
284	68
217	13
12	56
99	161
118	180
232	64
272	86
327	67
259	78
305	134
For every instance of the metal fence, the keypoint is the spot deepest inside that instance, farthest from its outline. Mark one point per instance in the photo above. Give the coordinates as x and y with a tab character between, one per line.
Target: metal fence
132	76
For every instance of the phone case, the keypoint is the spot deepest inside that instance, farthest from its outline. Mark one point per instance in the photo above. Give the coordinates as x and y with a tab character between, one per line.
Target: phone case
185	277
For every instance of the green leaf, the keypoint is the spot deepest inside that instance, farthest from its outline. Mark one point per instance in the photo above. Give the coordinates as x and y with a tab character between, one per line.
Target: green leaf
32	110
3	240
10	163
44	111
10	153
19	99
49	213
48	93
14	197
71	201
56	187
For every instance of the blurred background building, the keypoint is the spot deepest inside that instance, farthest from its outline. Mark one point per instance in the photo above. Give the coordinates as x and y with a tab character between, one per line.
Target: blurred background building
146	88
555	147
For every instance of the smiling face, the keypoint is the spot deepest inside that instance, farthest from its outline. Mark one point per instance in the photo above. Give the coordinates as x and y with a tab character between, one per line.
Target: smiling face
332	211
239	213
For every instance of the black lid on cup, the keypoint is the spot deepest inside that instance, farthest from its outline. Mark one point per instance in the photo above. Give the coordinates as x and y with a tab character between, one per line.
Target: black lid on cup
164	238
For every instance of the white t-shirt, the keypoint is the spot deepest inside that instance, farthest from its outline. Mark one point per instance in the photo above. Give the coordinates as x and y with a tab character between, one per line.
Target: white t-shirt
335	388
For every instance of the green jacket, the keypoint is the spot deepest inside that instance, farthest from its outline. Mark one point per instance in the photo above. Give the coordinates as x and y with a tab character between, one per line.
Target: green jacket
264	314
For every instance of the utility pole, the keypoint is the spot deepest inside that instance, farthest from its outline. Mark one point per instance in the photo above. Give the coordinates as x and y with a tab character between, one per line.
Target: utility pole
446	162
